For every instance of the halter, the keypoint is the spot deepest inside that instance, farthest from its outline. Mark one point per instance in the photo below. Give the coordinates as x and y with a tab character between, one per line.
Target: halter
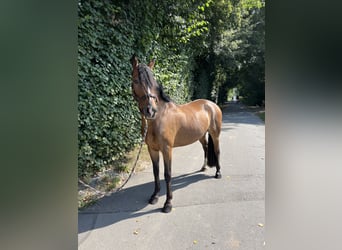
146	88
147	92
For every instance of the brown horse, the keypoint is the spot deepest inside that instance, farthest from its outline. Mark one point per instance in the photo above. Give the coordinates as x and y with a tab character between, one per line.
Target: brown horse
170	125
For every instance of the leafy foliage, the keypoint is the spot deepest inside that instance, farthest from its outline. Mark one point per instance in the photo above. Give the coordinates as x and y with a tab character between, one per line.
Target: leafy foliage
108	121
234	51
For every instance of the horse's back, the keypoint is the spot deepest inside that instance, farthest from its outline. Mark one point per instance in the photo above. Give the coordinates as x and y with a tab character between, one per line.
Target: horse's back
192	120
209	107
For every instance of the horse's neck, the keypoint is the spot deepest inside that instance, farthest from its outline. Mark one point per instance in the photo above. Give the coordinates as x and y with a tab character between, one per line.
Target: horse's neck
167	105
164	107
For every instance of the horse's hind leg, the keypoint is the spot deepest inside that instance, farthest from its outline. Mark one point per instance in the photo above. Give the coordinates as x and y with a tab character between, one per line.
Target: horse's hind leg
217	153
214	143
214	154
204	143
155	161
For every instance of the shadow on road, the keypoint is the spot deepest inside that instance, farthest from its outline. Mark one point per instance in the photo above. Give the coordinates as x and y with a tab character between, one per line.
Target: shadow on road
129	202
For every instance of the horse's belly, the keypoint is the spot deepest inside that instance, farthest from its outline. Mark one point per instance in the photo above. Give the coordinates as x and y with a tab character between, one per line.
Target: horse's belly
191	129
184	138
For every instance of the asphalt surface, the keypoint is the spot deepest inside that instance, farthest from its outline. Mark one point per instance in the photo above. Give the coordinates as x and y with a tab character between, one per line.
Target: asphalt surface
208	213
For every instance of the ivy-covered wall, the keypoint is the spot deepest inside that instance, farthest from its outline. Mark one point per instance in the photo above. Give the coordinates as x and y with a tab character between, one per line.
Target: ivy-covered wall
109	32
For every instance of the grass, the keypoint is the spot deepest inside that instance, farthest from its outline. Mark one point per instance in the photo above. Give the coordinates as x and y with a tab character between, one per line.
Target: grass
258	110
86	200
113	177
261	115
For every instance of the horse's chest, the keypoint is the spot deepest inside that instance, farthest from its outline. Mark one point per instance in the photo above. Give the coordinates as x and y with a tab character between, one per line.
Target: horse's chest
152	139
157	137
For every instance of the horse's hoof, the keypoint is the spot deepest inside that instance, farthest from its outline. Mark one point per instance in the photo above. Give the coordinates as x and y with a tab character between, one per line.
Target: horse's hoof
167	208
203	169
218	175
153	200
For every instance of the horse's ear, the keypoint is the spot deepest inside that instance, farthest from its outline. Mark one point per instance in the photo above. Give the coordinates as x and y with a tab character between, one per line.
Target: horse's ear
151	64
134	61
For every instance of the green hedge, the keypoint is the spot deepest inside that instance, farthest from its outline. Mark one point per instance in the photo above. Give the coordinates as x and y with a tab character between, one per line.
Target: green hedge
109	121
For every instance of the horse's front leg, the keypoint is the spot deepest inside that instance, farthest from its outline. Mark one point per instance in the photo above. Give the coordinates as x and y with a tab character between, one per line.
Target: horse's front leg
155	161
167	155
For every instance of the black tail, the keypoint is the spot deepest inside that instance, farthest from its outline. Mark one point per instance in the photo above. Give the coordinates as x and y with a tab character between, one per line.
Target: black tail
212	157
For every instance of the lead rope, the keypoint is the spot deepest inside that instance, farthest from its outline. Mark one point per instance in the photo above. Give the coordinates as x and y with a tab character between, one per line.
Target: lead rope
131	173
139	152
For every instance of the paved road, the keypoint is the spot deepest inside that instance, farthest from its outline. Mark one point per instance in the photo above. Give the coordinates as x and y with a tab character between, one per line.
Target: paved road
208	213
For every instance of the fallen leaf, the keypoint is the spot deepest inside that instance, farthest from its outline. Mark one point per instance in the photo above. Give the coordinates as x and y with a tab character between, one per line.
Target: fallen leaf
195	241
136	232
260	225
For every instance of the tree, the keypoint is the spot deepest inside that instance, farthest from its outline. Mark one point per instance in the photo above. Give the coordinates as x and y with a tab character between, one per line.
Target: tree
233	53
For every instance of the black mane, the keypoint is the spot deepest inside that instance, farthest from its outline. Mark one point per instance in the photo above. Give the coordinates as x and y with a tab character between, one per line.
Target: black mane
162	94
145	75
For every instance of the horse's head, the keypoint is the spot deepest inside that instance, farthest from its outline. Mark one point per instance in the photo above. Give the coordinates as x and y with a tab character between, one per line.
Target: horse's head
145	88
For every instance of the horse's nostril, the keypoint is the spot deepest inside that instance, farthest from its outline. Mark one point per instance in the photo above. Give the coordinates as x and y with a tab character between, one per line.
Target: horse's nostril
150	110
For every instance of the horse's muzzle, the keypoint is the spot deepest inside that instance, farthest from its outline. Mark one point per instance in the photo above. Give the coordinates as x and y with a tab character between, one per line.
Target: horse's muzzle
149	112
